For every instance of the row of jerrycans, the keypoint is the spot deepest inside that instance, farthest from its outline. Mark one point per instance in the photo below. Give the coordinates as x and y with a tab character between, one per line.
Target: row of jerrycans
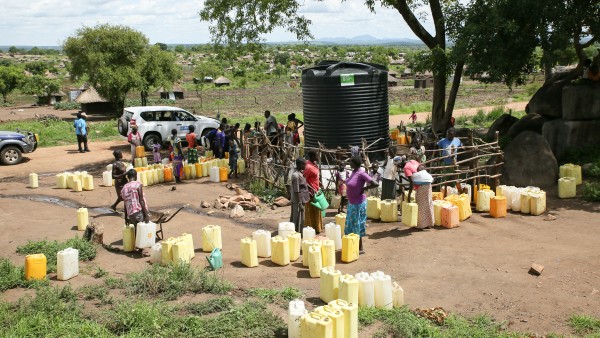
67	265
286	247
338	318
77	181
528	200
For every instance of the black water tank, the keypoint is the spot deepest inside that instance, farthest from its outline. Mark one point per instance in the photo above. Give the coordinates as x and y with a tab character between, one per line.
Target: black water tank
345	102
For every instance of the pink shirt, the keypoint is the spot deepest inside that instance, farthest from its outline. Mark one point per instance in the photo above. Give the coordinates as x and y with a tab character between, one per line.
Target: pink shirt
131	197
354	185
411	167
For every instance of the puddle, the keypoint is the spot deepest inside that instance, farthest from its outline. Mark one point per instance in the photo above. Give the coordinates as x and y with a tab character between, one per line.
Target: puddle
45	199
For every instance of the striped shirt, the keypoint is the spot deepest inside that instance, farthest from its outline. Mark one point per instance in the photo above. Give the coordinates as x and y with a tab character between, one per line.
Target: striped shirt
131	198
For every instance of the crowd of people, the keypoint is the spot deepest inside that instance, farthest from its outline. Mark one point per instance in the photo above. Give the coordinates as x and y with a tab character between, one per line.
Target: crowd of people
352	186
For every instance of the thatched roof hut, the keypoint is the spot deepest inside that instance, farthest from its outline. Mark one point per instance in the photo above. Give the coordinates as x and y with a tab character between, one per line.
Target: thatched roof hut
176	93
392	81
222	81
92	102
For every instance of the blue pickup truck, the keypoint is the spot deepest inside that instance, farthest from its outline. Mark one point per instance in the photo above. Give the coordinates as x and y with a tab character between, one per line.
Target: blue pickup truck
14	144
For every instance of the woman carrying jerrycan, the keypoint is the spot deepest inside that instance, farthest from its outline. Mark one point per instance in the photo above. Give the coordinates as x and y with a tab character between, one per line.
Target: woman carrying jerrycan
356	217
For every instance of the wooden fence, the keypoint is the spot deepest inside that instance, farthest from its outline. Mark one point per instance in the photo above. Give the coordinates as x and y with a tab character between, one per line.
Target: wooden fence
472	165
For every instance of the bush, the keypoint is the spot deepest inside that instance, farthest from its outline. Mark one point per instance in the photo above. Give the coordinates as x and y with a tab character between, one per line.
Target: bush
172	281
87	250
67	105
257	188
591	192
479	118
581	155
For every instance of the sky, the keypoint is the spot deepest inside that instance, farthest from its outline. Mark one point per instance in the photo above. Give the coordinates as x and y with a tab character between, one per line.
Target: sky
50	22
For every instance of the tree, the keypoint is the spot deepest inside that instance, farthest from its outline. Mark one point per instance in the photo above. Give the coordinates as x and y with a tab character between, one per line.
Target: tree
37	67
240	22
158	69
40	86
10	79
162	46
111	57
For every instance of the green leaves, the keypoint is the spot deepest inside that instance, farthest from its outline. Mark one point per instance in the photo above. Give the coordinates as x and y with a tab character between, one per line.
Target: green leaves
10	77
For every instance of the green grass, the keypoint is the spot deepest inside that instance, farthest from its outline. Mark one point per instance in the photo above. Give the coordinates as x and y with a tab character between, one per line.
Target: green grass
95	292
172	281
419	106
585	325
12	276
210	306
526	95
56	133
87	250
401	322
279	296
53	312
257	188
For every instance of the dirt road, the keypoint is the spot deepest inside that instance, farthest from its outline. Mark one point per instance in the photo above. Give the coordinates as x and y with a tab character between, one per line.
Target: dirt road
478	268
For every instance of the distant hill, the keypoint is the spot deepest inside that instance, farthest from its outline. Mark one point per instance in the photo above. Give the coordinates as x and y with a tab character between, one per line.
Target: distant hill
366	40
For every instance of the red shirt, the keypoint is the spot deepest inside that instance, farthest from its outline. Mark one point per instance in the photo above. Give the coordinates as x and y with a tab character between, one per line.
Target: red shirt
311	173
191	140
411	167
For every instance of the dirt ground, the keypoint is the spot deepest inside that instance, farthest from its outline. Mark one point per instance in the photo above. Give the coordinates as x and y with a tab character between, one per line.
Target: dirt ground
479	268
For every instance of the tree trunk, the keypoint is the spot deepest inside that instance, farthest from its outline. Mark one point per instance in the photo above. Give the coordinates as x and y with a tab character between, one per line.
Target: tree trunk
144	97
119	105
438	114
458	70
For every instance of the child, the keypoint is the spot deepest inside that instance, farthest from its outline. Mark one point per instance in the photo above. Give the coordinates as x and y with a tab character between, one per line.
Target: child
156	153
233	158
413	117
340	185
376	176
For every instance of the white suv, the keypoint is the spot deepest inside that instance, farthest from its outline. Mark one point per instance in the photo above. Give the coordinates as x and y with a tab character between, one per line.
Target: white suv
156	122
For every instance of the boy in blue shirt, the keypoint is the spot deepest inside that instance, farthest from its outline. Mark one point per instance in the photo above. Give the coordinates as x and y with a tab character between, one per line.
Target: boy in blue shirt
81	131
449	146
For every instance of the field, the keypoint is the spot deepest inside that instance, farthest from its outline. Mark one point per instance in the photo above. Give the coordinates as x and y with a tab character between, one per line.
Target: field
477	273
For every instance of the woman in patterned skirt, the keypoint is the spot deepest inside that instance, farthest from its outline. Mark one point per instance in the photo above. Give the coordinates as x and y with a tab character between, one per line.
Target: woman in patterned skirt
356	217
422	196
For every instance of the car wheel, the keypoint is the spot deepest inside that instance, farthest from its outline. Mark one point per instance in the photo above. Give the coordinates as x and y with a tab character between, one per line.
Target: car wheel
150	140
11	155
122	126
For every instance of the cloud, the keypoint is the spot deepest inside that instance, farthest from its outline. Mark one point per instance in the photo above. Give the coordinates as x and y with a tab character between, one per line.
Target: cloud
50	22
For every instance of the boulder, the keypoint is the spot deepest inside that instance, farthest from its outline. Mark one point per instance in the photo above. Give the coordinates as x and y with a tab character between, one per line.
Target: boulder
237	212
562	135
581	102
528	160
501	125
532	122
547	101
281	202
205	204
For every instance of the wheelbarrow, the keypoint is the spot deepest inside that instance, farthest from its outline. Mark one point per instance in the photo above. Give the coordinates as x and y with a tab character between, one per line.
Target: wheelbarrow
163	216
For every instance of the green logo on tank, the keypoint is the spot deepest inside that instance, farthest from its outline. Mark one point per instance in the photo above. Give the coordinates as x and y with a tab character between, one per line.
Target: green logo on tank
347	80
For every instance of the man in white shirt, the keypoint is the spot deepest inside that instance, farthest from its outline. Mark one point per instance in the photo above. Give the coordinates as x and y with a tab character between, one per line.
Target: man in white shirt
388	181
271	127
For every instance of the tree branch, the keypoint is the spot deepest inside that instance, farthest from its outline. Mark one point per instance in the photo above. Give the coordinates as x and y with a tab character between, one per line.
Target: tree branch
414	24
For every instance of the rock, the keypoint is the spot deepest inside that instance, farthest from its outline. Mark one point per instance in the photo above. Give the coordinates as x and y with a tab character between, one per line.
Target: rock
536	269
210	212
282	202
529	161
562	135
232	204
547	101
205	204
248	205
501	125
237	212
217	204
581	102
532	122
273	207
